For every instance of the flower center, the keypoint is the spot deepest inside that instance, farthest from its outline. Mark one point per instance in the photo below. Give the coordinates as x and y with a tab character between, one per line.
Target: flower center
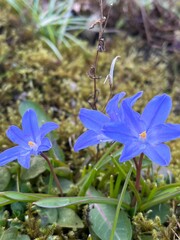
143	135
31	144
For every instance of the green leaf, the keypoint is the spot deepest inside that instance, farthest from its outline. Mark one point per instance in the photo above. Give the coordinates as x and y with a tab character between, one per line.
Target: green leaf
65	217
160	210
21	197
86	181
53	47
23	237
10	233
48	216
5	177
69	219
102	216
162	197
118	209
42	116
18	209
57	202
38	166
65	184
5	201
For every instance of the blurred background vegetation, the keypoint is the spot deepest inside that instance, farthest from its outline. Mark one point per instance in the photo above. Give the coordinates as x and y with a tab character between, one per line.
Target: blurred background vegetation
47	48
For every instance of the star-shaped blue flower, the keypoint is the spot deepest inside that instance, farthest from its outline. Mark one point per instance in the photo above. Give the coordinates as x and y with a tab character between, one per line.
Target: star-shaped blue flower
31	140
94	120
145	133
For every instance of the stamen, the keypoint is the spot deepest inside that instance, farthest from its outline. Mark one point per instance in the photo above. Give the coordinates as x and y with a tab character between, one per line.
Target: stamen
31	144
143	135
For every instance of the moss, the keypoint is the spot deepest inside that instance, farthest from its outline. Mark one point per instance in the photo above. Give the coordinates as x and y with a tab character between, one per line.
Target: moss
145	227
30	71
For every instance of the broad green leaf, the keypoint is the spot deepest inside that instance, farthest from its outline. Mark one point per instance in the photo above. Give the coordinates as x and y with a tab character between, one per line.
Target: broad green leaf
38	166
65	217
65	184
160	210
10	233
102	216
69	219
23	237
48	216
5	177
57	202
18	209
42	116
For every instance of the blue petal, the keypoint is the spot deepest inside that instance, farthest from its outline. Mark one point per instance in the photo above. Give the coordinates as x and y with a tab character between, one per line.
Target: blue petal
17	136
92	119
159	154
48	127
157	110
132	119
131	150
24	161
131	100
112	108
10	155
45	145
163	133
119	132
30	125
88	138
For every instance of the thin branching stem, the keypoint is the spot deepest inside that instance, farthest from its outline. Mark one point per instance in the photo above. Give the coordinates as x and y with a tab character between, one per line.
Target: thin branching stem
53	173
100	48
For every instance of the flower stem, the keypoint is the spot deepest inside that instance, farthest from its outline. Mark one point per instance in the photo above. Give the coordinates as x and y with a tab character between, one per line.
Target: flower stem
138	171
53	173
120	201
138	165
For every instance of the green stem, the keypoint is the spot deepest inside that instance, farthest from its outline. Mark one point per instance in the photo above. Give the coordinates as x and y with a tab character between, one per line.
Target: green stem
131	184
18	179
111	191
53	173
85	182
120	203
117	186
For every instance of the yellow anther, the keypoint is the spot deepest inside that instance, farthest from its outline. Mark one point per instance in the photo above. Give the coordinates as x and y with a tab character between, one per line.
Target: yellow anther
143	135
31	144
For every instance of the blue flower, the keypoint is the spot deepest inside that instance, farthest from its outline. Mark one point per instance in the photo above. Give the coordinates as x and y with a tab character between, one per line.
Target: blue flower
31	140
145	133
94	121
